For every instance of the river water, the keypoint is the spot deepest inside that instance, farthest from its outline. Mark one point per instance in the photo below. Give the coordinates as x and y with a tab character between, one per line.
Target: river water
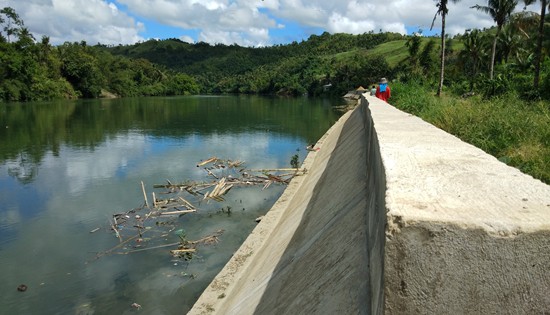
66	167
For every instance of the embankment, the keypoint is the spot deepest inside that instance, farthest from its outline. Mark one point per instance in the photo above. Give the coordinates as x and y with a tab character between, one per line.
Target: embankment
395	216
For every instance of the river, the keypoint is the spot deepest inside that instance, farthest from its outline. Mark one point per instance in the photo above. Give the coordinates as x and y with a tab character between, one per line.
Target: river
66	167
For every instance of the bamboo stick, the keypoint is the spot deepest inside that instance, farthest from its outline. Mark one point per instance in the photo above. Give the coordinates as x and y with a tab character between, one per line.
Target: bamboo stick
149	248
117	233
210	160
177	212
211	174
225	189
187	203
144	194
275	170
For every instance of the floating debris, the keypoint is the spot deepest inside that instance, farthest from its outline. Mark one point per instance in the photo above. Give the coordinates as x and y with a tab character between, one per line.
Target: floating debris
160	218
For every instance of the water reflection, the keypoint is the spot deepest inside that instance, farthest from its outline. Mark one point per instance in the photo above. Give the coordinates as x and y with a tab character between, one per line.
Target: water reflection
66	167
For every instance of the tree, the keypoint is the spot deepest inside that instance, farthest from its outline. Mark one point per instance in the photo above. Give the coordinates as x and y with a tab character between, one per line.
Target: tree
509	43
80	68
473	54
26	39
426	58
413	46
500	11
13	23
442	10
538	52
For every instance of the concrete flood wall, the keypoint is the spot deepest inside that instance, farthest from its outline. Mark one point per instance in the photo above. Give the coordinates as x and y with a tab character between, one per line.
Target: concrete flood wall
466	233
394	216
311	253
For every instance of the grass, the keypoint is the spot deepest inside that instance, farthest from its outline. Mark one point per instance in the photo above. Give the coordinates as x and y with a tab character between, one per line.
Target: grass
394	51
514	131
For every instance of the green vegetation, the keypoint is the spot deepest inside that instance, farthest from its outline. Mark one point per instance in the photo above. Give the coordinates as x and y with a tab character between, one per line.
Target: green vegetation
294	161
293	69
31	70
504	71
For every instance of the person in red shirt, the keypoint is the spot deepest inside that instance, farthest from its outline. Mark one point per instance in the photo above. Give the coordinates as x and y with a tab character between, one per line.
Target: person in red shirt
383	91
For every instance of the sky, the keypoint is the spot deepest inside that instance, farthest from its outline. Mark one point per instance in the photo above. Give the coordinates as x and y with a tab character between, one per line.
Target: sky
253	23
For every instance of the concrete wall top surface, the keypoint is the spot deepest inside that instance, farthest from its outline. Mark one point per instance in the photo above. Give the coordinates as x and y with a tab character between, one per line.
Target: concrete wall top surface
434	176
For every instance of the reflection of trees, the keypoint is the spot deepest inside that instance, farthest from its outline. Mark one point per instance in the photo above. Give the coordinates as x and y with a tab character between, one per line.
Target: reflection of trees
30	130
24	169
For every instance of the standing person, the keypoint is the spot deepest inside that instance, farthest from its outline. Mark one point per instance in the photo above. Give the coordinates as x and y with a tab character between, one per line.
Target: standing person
383	91
373	90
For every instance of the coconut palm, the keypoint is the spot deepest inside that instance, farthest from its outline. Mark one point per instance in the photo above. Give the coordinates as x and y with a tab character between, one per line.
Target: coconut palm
509	43
538	52
473	54
525	22
442	10
500	11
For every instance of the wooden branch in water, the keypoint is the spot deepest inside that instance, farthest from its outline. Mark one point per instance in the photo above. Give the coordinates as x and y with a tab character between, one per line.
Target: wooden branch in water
187	203
210	160
149	248
276	178
211	174
218	191
210	239
267	184
235	163
177	212
113	226
277	170
144	194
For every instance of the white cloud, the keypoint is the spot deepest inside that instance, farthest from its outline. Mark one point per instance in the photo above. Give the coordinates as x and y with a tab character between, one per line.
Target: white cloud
187	39
75	20
245	22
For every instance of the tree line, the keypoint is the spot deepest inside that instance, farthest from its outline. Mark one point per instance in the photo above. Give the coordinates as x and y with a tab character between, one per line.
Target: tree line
290	69
36	70
513	55
517	48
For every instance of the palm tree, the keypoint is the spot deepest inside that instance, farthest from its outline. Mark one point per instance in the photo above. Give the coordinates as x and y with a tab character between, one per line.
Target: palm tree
500	11
510	43
473	54
538	52
442	10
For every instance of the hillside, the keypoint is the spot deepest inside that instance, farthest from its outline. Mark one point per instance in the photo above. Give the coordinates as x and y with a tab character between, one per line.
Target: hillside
295	68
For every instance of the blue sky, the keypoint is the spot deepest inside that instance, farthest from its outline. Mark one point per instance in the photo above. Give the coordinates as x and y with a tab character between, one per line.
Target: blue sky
242	22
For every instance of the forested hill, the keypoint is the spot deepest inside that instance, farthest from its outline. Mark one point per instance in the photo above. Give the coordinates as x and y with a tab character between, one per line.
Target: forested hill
488	62
231	68
234	59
